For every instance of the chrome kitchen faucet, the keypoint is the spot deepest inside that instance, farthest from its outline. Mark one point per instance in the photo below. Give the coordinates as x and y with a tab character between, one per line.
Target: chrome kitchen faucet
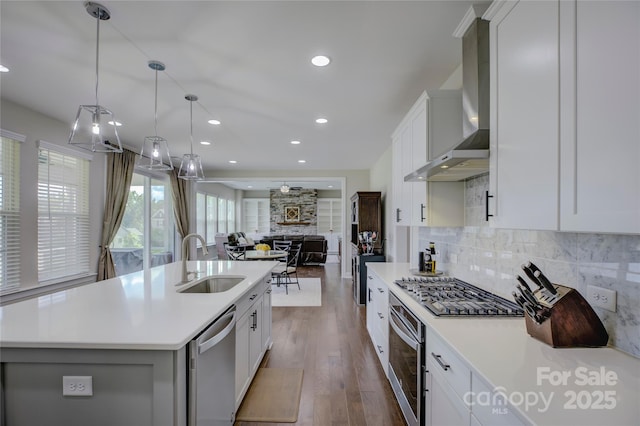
185	274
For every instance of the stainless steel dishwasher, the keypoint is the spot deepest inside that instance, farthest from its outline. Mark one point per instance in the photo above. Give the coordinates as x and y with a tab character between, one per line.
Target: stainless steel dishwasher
211	391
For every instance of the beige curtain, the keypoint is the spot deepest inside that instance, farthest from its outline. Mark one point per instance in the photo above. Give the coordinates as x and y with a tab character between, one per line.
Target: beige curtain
119	174
180	196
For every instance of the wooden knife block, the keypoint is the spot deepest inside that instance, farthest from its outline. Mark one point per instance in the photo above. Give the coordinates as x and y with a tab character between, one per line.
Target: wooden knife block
571	322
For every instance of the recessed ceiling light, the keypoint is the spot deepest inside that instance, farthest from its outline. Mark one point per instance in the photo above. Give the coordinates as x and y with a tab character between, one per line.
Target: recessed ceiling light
117	123
302	161
444	167
233	161
3	68
205	143
295	142
214	122
249	186
322	120
320	61
330	186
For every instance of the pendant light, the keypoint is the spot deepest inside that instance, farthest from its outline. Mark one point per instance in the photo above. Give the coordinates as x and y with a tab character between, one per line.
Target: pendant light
155	150
95	126
284	188
191	166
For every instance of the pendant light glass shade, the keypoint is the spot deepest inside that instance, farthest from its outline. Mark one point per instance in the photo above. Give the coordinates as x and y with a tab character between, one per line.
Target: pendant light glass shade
284	188
155	149
94	128
191	165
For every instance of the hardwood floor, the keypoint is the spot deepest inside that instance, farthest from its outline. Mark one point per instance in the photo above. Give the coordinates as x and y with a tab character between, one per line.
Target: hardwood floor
343	381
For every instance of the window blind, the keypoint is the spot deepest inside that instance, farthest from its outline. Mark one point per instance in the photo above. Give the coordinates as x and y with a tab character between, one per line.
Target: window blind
63	213
9	210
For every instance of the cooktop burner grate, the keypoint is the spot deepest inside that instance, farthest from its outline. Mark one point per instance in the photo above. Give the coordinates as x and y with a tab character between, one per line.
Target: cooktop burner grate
448	296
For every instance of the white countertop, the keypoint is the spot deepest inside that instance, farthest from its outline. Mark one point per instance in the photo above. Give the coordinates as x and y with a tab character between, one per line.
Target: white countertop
138	311
500	352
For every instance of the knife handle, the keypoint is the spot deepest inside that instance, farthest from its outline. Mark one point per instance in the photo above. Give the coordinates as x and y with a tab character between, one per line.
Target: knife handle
523	282
529	297
545	282
532	266
529	273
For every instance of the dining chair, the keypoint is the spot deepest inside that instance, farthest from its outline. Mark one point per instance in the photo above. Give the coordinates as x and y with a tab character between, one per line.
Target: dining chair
283	273
235	252
281	245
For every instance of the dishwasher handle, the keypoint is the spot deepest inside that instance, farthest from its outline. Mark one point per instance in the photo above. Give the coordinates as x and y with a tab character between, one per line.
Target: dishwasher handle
217	338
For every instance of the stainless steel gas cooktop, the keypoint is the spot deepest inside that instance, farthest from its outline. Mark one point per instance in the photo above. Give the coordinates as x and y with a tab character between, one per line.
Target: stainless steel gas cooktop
448	296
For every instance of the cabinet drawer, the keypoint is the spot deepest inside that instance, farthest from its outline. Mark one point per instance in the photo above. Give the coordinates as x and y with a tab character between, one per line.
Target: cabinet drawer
245	302
443	360
492	410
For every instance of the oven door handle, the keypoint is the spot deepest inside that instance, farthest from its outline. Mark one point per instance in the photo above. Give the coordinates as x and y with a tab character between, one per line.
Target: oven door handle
400	330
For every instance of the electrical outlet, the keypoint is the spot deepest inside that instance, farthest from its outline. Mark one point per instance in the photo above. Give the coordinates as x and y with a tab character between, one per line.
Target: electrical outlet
601	297
77	385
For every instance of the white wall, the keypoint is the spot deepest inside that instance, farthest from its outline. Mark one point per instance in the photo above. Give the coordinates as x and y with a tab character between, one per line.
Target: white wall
380	180
36	127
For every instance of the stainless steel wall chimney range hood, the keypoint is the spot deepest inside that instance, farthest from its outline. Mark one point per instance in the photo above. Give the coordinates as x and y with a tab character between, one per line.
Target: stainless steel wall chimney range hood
471	156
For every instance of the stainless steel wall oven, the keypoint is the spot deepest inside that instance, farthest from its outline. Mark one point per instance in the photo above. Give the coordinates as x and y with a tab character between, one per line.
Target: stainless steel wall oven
406	361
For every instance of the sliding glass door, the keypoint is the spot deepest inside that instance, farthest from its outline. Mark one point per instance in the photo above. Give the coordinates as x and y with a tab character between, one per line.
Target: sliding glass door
146	235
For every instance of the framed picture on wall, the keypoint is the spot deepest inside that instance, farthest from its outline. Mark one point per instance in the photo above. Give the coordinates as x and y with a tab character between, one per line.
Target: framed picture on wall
292	214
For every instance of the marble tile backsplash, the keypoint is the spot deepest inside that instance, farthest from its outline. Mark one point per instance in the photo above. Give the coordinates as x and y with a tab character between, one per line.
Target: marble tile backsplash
491	258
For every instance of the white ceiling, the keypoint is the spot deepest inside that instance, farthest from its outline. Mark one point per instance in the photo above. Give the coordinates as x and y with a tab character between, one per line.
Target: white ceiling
248	62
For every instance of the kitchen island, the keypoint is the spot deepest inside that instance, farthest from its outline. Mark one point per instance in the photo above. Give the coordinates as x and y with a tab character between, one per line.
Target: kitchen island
130	335
501	375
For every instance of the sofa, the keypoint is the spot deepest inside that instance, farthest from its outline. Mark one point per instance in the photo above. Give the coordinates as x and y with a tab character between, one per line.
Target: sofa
314	247
232	239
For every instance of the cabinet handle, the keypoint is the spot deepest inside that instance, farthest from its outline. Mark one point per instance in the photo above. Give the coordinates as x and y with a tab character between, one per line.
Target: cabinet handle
370	277
255	320
253	296
397	215
438	358
380	290
369	295
380	349
424	380
486	206
269	291
380	315
422	218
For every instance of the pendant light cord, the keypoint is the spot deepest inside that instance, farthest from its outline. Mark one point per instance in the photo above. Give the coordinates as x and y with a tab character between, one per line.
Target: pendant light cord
97	54
191	129
155	114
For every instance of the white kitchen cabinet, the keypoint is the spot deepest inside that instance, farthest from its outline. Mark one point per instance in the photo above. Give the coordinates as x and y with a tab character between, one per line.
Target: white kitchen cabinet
490	406
432	126
450	382
252	336
377	318
600	150
266	319
565	115
456	394
447	409
524	137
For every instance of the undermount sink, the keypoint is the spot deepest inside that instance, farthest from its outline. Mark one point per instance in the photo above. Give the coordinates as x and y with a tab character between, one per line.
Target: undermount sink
213	285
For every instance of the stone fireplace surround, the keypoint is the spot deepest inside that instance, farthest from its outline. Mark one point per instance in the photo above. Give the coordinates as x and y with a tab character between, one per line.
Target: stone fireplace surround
305	199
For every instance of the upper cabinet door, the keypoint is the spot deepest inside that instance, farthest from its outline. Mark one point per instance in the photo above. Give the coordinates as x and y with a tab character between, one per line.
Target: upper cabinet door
600	185
419	145
524	161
